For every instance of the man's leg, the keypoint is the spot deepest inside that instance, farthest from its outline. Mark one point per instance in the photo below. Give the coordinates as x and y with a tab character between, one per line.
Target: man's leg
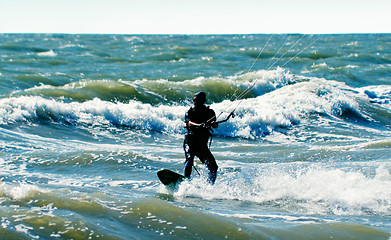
207	158
189	158
189	165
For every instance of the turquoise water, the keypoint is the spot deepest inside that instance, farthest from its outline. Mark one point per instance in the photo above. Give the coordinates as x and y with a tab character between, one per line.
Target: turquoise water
86	121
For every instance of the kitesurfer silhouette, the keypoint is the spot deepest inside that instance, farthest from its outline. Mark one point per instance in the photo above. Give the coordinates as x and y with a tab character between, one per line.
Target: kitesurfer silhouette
199	121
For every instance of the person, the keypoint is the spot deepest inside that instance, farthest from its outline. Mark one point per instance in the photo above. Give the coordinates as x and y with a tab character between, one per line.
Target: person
199	121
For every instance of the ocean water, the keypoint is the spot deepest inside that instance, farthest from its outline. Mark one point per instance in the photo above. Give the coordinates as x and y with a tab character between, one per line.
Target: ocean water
86	121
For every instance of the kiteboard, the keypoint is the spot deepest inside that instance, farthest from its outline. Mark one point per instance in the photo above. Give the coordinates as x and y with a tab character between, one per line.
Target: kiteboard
168	177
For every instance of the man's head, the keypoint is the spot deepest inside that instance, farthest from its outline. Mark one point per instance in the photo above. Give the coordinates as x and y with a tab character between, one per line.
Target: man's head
199	99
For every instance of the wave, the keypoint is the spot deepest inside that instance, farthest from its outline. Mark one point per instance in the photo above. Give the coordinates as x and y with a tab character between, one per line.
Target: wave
275	106
94	112
64	213
162	91
36	214
314	189
278	100
378	94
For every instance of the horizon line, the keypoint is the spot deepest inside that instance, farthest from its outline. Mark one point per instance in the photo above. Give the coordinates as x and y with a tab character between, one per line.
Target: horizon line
254	33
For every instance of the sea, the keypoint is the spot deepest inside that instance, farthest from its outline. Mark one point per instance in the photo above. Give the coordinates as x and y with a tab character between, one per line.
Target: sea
87	120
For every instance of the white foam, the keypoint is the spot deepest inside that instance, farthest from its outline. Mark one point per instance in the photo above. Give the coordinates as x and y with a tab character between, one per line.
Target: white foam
315	189
285	106
96	111
49	53
17	192
378	94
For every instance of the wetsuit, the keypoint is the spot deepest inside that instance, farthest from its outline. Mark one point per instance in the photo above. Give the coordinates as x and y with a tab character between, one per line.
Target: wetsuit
196	140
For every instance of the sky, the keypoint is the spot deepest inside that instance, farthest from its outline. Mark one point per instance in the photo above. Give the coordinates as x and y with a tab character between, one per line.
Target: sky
195	16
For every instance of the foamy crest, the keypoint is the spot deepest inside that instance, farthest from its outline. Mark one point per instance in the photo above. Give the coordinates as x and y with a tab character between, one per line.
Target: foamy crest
264	81
17	192
287	106
304	189
378	94
49	53
255	117
96	112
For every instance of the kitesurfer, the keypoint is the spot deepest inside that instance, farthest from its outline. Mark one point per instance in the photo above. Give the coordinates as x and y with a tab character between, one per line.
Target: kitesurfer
199	121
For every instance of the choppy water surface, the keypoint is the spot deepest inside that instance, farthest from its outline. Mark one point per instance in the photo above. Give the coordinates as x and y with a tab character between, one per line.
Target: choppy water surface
86	121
